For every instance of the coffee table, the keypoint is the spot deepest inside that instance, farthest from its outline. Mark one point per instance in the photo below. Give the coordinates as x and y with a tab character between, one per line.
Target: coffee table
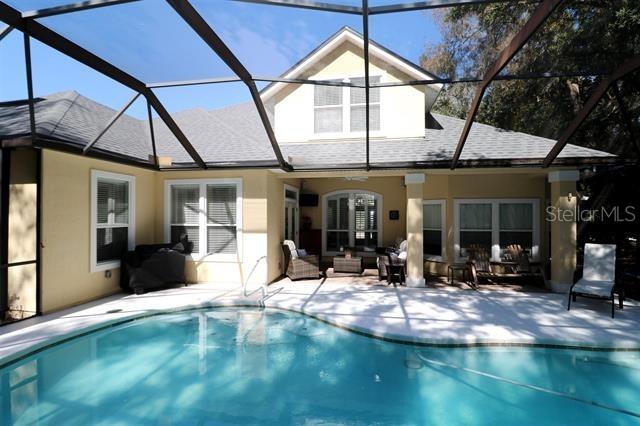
348	265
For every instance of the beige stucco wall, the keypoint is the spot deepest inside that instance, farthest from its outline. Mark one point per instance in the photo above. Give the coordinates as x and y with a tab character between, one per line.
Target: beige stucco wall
402	109
22	232
275	214
66	276
437	186
481	185
254	228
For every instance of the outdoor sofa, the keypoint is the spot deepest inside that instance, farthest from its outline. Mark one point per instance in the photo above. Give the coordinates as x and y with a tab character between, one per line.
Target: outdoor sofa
154	266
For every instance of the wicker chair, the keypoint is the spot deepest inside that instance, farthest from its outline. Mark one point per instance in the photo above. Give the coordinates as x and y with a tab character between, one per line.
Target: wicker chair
299	267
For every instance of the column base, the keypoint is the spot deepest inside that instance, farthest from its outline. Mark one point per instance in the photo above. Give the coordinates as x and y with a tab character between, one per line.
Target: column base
415	282
558	287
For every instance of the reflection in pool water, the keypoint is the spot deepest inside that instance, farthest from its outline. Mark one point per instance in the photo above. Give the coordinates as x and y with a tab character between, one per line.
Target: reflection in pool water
243	365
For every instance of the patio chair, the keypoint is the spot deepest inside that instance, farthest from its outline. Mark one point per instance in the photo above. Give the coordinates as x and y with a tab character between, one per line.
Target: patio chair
382	257
298	267
479	264
523	266
395	268
598	275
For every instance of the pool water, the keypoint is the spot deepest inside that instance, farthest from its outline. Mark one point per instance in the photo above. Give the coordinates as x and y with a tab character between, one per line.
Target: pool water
248	366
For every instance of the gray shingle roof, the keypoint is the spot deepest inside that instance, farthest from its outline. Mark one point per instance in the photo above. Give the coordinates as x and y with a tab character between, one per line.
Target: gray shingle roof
235	134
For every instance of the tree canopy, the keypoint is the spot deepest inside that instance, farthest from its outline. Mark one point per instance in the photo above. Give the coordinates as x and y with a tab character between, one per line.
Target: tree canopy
581	36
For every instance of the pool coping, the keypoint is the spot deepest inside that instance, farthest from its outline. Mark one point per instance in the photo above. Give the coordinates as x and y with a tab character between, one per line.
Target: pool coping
410	340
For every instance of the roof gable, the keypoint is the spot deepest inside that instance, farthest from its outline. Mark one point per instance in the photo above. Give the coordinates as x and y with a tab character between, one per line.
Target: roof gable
348	35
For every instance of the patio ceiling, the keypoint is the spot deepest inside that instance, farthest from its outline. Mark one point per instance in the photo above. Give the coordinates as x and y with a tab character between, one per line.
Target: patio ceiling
145	70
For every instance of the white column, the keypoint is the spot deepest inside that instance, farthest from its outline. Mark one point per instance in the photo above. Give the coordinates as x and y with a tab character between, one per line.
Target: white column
415	259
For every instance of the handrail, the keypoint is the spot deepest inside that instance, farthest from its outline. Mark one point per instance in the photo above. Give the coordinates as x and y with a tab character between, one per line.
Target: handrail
263	287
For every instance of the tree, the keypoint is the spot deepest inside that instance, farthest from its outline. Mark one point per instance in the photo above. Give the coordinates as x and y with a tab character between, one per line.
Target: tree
581	35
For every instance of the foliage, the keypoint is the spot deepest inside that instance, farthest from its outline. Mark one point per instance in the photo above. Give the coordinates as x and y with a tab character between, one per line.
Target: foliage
593	36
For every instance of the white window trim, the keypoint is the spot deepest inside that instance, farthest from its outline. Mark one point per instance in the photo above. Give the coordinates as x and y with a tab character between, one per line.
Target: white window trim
443	231
346	113
94	265
351	229
288	187
495	225
202	183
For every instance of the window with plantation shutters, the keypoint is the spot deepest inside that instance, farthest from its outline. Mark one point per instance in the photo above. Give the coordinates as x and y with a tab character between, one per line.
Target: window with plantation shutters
208	212
351	219
112	218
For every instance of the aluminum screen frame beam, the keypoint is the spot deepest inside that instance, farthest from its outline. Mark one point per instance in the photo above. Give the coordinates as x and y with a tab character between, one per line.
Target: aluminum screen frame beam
5	31
527	76
191	16
54	40
110	123
430	4
628	67
29	76
72	7
156	162
539	16
365	46
376	10
308	4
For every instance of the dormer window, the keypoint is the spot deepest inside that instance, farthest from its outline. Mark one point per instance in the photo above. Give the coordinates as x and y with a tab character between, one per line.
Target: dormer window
327	101
333	115
358	113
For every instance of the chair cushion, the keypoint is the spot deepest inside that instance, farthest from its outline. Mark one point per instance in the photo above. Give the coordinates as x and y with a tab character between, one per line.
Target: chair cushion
599	262
292	248
302	252
597	288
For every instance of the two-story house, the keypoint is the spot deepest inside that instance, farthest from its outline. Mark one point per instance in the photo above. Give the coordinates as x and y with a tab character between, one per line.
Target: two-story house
238	217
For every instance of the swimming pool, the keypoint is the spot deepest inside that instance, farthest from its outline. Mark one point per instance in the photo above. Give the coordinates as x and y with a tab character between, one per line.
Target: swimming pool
248	365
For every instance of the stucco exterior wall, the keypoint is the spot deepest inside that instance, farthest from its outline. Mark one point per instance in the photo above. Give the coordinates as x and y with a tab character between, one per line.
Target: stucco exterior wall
66	189
66	276
402	109
275	214
254	228
489	186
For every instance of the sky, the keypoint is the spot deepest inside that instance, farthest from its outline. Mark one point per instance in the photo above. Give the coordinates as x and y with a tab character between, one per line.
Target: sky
149	41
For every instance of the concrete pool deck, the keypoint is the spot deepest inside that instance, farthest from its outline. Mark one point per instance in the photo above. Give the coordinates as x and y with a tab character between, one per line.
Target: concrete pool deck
423	315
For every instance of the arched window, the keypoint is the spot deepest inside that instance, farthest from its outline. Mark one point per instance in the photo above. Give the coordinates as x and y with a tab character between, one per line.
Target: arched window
351	219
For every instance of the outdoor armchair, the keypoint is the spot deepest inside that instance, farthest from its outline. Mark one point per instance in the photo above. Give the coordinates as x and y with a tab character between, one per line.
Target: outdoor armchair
298	267
598	275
